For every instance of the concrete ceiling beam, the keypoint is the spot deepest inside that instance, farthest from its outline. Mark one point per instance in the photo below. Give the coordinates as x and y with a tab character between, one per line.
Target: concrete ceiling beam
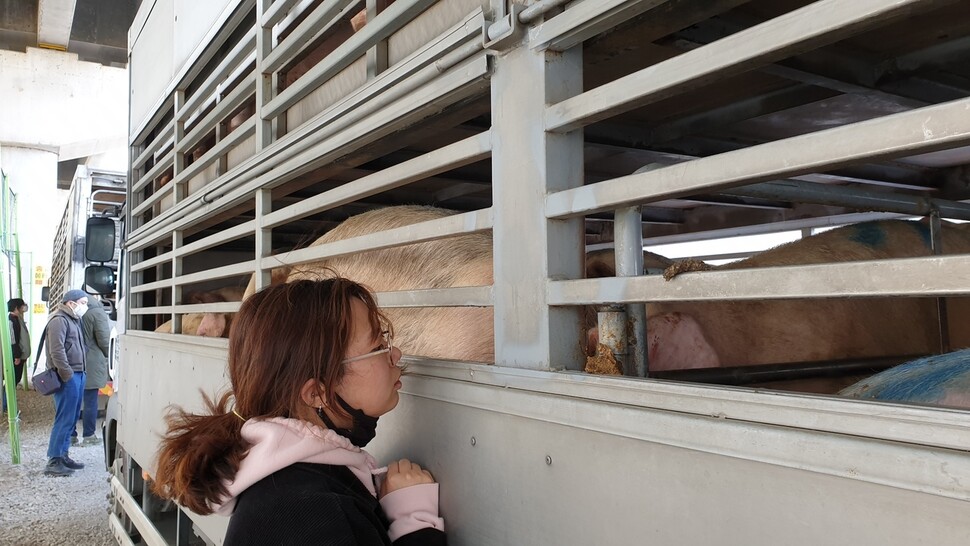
54	21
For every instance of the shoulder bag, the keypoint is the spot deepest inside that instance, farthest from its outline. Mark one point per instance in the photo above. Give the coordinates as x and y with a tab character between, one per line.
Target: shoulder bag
46	382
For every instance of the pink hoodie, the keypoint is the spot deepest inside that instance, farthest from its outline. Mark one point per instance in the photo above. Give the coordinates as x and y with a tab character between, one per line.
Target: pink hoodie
277	443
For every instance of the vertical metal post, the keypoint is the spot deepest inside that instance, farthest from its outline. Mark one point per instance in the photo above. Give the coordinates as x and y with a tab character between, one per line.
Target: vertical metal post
611	322
628	252
183	528
137	300
178	161
495	9
528	164
936	243
176	288
264	237
265	82
222	162
134	175
377	55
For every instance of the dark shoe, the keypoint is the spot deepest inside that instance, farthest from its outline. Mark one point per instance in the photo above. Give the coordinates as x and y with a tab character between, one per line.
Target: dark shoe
55	467
74	441
71	463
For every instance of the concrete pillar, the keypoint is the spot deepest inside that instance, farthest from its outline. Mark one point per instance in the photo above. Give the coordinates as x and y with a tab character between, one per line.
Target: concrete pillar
32	175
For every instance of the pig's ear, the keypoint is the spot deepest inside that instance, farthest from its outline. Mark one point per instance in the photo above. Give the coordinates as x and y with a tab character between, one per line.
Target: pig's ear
312	393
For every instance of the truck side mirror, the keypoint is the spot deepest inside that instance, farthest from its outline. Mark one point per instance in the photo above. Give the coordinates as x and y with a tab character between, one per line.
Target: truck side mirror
99	279
45	293
99	240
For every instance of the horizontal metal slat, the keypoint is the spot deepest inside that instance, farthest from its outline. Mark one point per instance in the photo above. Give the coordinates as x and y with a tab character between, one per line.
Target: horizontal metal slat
929	276
328	137
233	100
458	224
583	20
156	145
469	296
907	133
379	95
823	22
154	198
455	155
238	55
244	131
244	268
306	33
389	21
223	307
276	12
152	174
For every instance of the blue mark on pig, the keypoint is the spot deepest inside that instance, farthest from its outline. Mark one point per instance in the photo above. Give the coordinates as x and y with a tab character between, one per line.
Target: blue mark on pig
923	230
869	234
926	380
872	234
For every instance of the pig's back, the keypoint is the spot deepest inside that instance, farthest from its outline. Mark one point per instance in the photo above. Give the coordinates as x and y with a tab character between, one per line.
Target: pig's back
458	333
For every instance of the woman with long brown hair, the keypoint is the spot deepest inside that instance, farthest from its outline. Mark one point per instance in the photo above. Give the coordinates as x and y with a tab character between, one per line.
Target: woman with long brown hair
312	367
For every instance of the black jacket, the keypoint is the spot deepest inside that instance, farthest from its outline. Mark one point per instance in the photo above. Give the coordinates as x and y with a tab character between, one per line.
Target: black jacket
315	504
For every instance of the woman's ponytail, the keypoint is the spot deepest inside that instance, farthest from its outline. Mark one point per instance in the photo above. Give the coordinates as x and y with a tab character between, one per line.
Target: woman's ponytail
200	454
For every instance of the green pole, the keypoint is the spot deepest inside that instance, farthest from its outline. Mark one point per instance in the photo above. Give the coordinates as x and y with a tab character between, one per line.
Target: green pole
18	265
13	415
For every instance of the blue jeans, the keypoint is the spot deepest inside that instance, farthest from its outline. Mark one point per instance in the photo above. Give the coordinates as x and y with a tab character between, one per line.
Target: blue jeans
67	409
89	414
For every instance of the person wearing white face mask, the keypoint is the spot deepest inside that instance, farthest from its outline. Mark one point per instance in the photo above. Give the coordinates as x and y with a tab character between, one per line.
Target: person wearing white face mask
96	329
65	350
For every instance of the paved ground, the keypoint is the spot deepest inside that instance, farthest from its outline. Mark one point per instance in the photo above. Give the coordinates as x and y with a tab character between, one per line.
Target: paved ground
37	510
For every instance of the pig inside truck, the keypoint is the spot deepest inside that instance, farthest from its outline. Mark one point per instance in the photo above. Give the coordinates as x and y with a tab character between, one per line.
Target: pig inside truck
458	157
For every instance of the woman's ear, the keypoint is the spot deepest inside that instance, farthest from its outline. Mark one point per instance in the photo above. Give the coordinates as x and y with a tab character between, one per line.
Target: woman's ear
312	393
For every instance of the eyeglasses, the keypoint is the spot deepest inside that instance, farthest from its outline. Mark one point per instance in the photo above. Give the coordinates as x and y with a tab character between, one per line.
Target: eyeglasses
388	345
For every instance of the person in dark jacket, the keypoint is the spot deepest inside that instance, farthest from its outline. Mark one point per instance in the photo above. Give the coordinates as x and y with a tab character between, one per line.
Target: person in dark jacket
65	353
20	341
96	329
311	367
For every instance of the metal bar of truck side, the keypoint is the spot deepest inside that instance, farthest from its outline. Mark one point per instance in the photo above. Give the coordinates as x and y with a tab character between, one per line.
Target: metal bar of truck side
907	133
928	276
814	25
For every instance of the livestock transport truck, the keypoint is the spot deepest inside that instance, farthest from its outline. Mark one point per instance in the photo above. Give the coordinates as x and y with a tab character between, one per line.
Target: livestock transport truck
258	125
87	248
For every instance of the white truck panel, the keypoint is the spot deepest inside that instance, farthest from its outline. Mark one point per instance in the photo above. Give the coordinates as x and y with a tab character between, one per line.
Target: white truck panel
155	377
521	445
161	45
609	487
151	63
193	20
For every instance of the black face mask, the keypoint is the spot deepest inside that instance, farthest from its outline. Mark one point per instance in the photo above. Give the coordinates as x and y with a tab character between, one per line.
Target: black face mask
364	426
